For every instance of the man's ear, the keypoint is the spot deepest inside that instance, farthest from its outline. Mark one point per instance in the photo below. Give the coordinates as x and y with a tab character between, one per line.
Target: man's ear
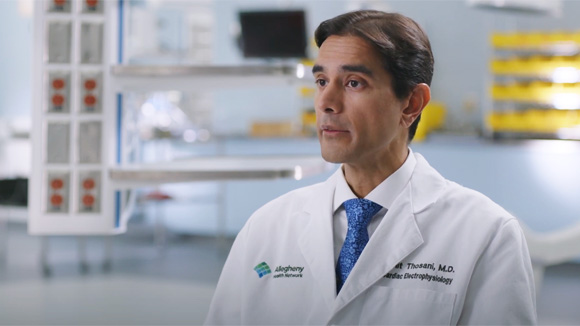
420	96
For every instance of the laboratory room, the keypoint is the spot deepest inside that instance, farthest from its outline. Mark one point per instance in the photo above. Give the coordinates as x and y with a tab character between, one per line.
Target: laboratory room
298	162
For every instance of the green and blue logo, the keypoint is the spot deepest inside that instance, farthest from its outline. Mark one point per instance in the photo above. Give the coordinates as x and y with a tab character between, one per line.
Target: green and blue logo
262	269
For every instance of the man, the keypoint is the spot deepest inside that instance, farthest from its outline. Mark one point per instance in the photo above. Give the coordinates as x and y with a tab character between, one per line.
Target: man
386	239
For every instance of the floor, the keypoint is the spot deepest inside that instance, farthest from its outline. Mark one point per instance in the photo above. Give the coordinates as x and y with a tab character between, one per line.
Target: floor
146	284
152	285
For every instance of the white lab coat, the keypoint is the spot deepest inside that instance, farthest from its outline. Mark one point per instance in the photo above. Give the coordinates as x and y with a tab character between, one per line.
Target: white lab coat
442	255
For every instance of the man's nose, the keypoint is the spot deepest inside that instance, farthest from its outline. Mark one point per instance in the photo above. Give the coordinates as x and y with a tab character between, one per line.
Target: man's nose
329	99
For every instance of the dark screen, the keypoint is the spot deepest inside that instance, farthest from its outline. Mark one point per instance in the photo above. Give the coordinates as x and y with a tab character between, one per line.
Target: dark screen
273	34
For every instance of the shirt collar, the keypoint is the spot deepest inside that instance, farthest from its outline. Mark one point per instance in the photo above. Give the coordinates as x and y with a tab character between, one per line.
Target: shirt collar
385	193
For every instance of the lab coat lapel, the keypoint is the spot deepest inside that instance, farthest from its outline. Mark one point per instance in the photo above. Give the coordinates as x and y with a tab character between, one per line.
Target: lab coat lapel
316	242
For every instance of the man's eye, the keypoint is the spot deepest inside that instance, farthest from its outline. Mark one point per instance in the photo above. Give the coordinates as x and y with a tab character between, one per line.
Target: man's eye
353	83
321	82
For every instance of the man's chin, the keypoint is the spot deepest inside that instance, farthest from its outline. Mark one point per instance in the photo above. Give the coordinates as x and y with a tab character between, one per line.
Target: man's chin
332	158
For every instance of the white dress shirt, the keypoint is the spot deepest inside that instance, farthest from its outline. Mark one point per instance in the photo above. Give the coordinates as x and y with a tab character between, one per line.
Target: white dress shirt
384	194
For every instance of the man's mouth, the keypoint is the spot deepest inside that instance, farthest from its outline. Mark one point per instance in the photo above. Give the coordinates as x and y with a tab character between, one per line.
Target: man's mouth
333	129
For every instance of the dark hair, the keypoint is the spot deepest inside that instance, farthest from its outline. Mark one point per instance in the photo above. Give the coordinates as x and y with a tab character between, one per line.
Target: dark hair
400	41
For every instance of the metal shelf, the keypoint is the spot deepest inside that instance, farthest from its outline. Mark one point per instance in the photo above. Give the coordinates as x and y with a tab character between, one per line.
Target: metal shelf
218	168
194	78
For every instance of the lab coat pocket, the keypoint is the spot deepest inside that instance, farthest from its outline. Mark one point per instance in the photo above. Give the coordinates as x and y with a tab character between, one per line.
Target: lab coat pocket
385	305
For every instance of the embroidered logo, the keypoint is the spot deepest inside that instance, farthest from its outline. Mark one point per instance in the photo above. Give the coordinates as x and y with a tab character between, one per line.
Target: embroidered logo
288	271
262	269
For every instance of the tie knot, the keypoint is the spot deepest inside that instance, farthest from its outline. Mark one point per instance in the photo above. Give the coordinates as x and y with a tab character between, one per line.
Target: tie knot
360	211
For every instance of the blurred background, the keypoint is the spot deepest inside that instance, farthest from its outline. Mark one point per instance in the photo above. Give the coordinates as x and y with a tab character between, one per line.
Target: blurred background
137	137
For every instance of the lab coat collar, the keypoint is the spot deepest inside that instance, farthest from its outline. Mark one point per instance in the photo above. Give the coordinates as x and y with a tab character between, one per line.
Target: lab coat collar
426	184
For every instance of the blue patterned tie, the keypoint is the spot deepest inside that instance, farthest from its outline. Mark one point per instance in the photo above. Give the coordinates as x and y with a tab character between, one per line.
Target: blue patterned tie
358	213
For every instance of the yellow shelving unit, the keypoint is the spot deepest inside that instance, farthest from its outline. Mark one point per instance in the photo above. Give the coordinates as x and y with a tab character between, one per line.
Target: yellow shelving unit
534	120
536	89
534	66
538	92
534	40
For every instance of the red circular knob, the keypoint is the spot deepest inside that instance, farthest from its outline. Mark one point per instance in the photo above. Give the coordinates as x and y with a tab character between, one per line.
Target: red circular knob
89	184
90	84
56	200
59	2
57	99
58	84
90	100
92	3
56	183
88	200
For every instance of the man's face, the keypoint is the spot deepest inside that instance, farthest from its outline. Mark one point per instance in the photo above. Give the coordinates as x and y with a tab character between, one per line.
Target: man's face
357	113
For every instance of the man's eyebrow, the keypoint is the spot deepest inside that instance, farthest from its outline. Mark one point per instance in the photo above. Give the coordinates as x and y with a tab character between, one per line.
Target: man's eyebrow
317	68
350	68
358	68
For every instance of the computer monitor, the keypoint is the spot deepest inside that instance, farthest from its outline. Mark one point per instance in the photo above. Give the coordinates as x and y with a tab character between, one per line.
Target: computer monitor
273	34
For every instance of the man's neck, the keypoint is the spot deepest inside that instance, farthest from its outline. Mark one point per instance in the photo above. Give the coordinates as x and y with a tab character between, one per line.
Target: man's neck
362	179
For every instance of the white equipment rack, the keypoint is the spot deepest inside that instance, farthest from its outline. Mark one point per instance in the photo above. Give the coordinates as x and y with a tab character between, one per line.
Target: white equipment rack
79	166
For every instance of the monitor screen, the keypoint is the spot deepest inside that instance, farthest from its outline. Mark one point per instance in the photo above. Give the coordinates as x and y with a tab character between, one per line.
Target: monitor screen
273	34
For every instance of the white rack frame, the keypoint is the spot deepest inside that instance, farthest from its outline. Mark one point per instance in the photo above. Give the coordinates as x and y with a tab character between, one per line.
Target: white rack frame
116	173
